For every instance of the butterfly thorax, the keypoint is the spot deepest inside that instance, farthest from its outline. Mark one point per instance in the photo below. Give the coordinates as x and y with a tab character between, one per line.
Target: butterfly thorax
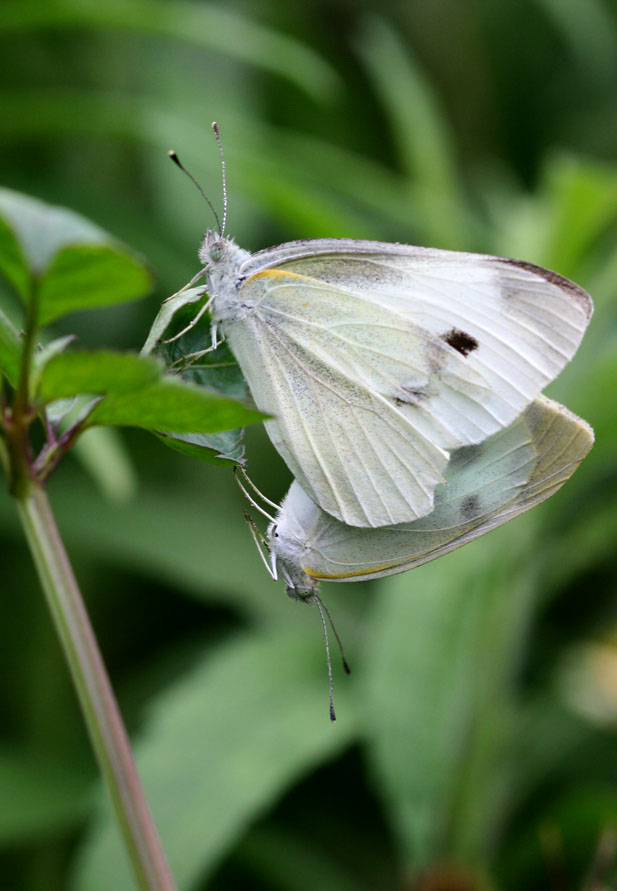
222	259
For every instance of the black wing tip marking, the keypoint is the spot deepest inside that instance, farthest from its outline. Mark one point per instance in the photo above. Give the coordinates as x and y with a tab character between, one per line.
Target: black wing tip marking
554	278
460	341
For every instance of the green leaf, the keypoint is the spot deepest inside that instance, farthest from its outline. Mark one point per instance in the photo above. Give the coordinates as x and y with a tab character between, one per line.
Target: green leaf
78	266
223	377
222	745
42	230
439	678
165	316
174	406
213	448
96	371
10	350
89	276
13	265
66	409
216	370
49	350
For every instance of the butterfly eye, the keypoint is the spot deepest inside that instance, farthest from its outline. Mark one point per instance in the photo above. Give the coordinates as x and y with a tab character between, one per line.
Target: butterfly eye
216	251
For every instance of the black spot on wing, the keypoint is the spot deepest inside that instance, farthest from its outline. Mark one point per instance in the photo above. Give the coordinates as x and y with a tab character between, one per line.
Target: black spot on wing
460	341
470	508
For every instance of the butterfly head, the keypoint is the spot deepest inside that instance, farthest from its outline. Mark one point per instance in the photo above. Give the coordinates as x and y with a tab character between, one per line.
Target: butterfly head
288	550
214	248
303	589
217	252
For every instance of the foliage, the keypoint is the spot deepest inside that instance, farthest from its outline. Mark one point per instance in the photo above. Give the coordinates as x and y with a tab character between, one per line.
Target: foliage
59	264
477	732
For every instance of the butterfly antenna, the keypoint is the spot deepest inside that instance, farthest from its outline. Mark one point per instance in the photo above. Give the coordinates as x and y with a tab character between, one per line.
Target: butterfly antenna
320	607
174	157
323	606
215	128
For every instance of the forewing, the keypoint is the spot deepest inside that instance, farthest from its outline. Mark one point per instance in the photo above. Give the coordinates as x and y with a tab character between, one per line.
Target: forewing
447	348
348	448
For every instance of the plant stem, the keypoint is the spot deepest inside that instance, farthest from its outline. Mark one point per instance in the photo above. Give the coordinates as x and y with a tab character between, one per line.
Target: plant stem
107	732
22	396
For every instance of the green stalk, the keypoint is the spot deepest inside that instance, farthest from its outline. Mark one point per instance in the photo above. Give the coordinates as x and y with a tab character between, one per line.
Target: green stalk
107	732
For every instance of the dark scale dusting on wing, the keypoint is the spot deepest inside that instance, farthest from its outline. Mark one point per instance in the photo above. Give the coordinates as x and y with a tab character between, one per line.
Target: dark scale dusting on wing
581	296
465	455
410	395
460	341
470	508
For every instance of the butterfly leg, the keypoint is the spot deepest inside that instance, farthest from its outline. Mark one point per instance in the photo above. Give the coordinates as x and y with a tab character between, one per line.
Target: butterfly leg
260	544
255	489
187	285
193	357
250	498
192	323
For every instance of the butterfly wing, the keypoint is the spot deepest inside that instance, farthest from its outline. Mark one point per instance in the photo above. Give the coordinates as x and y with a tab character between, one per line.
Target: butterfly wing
348	447
488	485
377	360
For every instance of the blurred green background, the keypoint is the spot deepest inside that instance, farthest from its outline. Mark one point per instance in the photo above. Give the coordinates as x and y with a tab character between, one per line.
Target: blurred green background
476	745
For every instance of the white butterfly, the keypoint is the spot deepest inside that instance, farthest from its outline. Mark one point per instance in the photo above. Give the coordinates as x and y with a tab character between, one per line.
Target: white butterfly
487	485
377	360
